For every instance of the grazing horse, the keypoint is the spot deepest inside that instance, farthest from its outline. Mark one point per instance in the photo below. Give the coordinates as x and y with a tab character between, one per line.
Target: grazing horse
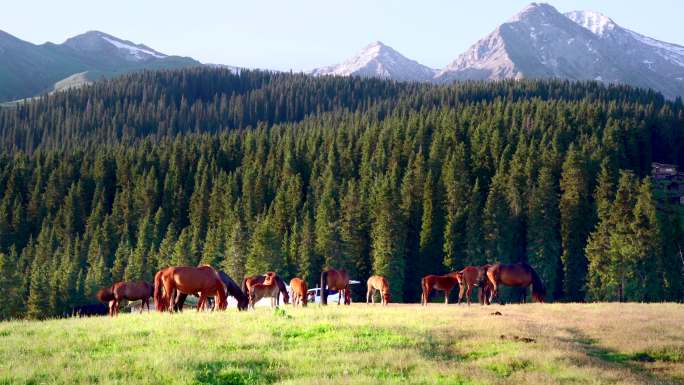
378	283
189	280
270	284
132	291
518	274
299	290
437	282
232	289
332	279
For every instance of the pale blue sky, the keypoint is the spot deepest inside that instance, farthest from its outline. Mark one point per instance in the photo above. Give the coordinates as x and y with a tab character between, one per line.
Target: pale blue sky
303	34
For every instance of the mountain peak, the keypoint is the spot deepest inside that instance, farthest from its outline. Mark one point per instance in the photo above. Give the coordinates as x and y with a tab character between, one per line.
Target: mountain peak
595	22
97	41
379	60
535	10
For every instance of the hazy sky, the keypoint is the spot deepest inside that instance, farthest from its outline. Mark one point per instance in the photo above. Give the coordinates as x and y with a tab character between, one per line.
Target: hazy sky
301	35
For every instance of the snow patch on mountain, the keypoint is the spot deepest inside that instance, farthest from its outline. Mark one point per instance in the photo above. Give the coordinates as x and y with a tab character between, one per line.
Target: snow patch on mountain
137	52
596	22
672	52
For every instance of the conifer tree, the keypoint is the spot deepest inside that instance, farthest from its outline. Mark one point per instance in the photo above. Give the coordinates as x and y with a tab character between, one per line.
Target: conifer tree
457	191
598	245
265	250
543	239
237	250
387	237
182	250
575	223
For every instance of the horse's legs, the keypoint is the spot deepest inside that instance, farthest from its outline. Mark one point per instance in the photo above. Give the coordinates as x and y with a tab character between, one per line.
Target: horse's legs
461	289
202	301
446	296
469	292
495	293
369	293
170	294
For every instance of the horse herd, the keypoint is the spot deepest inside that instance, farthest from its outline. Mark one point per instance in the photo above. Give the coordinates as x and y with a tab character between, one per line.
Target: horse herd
172	285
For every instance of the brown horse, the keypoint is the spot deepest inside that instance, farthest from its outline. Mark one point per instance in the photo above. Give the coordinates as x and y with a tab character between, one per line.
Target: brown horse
333	279
131	291
267	285
232	288
188	280
437	282
515	275
378	283
468	279
299	290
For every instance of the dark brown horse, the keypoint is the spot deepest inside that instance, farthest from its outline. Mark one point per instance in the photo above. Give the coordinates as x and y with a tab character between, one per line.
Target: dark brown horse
299	291
515	275
202	280
131	291
270	285
378	283
232	289
333	279
437	282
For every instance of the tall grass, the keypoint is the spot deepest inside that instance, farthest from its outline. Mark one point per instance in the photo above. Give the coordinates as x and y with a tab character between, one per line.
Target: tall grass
537	344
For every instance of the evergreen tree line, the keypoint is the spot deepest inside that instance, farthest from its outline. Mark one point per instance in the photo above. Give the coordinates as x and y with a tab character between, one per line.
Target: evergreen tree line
401	180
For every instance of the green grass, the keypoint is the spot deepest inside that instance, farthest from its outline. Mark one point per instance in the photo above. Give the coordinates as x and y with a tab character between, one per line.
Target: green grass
400	344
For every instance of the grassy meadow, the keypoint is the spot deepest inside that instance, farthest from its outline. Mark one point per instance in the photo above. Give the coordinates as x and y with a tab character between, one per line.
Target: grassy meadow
399	344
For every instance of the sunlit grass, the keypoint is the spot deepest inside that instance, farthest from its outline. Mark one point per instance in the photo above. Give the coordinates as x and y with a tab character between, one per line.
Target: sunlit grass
539	344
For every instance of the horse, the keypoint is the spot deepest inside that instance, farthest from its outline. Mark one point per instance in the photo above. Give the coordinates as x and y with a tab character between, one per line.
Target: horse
132	291
189	280
232	289
378	283
437	282
468	278
333	279
518	274
299	291
270	285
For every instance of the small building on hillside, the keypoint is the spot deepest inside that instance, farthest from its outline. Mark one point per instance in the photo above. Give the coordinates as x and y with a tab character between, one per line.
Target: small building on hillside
668	183
664	170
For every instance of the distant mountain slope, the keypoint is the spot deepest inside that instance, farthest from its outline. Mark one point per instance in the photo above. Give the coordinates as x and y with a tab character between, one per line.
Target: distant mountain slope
28	69
382	61
540	42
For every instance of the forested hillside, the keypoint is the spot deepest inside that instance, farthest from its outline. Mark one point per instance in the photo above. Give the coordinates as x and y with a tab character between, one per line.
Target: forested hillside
259	171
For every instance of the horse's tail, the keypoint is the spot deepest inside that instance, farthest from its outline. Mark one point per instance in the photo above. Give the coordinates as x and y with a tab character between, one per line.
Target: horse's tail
423	284
538	289
105	295
324	292
244	286
158	294
305	294
221	292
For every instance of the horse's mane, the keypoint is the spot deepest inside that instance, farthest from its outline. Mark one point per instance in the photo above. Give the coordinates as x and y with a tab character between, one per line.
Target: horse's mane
232	287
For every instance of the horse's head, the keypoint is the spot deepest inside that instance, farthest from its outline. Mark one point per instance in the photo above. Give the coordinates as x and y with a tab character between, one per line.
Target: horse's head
243	303
386	296
482	275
